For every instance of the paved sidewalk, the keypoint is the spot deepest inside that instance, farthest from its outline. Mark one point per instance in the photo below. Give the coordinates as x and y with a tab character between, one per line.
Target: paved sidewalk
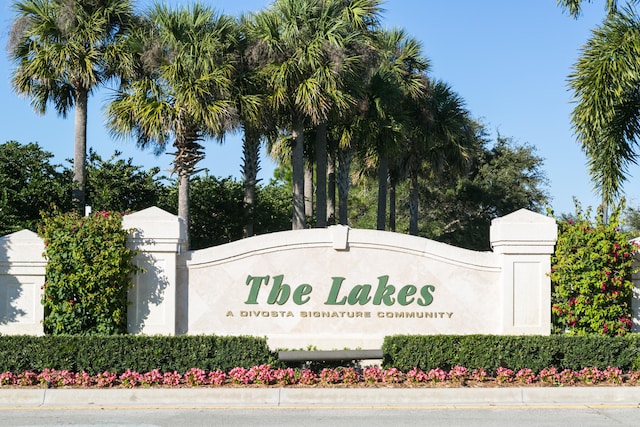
318	397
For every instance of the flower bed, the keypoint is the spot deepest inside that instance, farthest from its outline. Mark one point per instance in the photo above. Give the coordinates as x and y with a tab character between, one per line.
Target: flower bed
374	376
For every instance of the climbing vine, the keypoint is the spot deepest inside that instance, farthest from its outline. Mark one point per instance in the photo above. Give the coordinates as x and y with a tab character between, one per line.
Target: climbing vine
88	274
591	276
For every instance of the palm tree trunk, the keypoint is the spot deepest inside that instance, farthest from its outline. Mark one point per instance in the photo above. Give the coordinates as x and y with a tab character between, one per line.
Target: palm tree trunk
183	208
321	175
414	204
331	189
250	168
383	179
80	150
298	221
392	205
308	188
344	181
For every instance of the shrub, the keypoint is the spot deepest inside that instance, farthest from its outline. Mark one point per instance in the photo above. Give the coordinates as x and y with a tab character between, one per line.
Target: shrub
88	273
591	273
490	352
117	353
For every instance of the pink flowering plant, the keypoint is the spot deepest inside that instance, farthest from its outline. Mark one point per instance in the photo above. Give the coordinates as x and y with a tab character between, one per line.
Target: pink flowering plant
416	375
437	375
265	375
479	375
458	373
591	273
525	376
306	377
217	377
504	375
330	376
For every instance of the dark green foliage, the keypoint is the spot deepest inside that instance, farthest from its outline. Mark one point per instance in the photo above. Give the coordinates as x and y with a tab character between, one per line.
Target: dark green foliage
631	221
514	352
28	185
98	353
89	270
458	210
118	185
217	212
273	209
591	275
506	177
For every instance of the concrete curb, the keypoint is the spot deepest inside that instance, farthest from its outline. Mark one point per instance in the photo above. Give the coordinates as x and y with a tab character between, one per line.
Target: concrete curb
317	397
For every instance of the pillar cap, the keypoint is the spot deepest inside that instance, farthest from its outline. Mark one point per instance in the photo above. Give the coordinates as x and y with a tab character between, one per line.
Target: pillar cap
524	228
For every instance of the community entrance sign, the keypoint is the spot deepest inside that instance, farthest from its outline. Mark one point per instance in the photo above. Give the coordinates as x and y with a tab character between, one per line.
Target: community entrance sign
330	288
340	288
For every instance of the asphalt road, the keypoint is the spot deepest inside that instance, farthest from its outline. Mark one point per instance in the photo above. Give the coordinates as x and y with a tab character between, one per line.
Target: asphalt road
521	416
332	407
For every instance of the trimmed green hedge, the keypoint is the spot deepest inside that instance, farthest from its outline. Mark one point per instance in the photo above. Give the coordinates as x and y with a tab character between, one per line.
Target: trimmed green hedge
514	352
98	353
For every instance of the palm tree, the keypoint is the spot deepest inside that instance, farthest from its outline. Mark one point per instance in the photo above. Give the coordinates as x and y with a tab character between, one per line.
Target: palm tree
360	21
181	91
574	7
398	76
438	141
606	117
249	90
63	50
305	42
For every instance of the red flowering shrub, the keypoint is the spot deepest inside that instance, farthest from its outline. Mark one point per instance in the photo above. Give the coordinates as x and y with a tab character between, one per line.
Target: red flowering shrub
88	274
591	273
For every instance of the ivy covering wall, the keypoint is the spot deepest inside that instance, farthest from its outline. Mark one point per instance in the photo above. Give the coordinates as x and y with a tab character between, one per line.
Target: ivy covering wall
88	274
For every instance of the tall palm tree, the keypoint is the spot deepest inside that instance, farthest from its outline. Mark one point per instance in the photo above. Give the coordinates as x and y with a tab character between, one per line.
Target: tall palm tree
181	92
604	83
304	42
249	89
63	50
606	117
398	76
359	20
438	141
574	7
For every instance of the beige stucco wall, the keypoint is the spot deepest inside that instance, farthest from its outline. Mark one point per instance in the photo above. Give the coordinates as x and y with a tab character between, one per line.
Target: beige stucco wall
22	271
327	288
223	296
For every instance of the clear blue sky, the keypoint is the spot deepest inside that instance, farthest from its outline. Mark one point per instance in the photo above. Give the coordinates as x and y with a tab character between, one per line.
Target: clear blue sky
508	59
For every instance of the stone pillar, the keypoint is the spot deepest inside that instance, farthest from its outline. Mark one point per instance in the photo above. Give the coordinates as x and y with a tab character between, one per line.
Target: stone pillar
22	274
158	236
524	241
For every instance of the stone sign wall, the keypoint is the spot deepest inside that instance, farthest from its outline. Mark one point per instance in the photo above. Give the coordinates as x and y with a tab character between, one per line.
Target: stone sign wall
345	288
329	288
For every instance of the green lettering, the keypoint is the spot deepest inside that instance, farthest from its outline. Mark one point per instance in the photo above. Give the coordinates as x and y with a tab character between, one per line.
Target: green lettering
255	282
279	292
384	292
404	292
300	293
360	295
332	299
427	297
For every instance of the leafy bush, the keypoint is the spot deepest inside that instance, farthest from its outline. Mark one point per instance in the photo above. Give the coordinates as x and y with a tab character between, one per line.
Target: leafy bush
96	354
217	214
88	273
491	352
591	276
29	183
